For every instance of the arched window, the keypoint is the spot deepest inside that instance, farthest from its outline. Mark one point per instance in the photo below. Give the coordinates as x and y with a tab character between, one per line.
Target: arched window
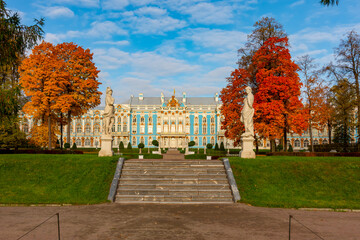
97	128
204	126
134	141
78	128
196	129
213	141
150	121
316	142
134	119
306	143
196	141
297	143
212	129
142	120
78	142
125	124
204	141
119	124
87	128
142	140
87	142
325	141
212	120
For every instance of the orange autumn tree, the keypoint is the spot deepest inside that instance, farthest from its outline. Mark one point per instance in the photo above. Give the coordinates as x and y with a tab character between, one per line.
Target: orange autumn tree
277	104
43	82
232	97
81	90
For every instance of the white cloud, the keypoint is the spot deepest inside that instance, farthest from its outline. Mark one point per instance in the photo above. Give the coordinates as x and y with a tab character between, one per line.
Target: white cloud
208	13
115	4
118	43
229	57
297	3
80	3
56	12
216	38
159	25
103	30
151	11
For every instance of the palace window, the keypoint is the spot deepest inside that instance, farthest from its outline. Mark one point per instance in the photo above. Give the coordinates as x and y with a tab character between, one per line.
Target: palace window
97	128
150	129
196	141
196	129
142	140
150	120
87	142
212	120
325	142
173	128
213	141
306	143
142	120
125	124
134	129
158	128
204	141
87	128
134	141
142	129
187	129
316	142
119	124
78	142
212	129
134	119
297	143
180	128
113	128
204	125
78	128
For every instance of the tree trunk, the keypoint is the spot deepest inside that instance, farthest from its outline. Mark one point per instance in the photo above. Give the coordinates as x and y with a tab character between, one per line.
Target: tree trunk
272	145
256	144
311	136
68	127
285	135
49	125
329	131
61	131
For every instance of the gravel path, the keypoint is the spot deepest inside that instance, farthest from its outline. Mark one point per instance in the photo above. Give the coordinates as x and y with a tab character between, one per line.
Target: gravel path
156	221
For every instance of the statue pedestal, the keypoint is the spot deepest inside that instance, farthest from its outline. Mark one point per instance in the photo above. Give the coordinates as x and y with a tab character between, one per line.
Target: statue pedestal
106	146
247	146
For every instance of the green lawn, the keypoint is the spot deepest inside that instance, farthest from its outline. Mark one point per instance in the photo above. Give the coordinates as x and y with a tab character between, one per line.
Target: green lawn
296	182
45	178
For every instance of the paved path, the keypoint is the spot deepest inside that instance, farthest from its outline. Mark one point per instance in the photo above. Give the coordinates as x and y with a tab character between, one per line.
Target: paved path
155	221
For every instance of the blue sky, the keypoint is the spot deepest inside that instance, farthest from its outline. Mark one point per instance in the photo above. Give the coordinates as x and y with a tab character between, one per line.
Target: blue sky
154	46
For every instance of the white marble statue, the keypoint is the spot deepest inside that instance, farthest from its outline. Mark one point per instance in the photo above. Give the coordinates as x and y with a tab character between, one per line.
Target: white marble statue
109	112
247	114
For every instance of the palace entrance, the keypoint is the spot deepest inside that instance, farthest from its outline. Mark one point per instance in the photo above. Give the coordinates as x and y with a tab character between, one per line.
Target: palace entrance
172	140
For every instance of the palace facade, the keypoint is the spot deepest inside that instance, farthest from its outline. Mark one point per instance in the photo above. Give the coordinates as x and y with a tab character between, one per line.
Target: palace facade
173	121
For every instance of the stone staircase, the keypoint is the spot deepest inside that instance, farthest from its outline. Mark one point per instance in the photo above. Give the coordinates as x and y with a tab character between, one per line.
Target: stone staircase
173	180
173	154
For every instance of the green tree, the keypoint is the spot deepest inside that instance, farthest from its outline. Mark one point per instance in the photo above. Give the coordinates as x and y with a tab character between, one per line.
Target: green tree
191	143
74	146
121	145
222	147
209	146
344	109
129	146
216	146
155	143
140	146
329	2
15	40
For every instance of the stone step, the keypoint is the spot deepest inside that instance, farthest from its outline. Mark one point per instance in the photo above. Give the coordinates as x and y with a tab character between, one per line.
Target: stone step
126	175
172	199
174	186
173	181
177	192
173	165
174	157
173	171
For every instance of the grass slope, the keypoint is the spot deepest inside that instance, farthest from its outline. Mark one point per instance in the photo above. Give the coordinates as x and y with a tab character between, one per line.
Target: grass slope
38	178
295	182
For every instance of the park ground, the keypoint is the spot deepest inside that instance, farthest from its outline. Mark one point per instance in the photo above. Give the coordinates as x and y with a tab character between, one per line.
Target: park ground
156	221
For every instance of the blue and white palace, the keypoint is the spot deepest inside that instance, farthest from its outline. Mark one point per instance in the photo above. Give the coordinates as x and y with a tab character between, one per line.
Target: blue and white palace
170	120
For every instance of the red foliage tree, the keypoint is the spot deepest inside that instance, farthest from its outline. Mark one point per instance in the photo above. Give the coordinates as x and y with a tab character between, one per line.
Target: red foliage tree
278	108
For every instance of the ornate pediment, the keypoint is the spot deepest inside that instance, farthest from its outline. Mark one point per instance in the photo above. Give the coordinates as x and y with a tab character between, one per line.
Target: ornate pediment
173	103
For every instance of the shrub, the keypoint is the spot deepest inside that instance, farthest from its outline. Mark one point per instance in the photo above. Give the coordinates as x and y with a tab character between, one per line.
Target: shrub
209	146
191	143
67	145
155	143
74	146
216	146
121	145
141	145
222	148
129	146
279	148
